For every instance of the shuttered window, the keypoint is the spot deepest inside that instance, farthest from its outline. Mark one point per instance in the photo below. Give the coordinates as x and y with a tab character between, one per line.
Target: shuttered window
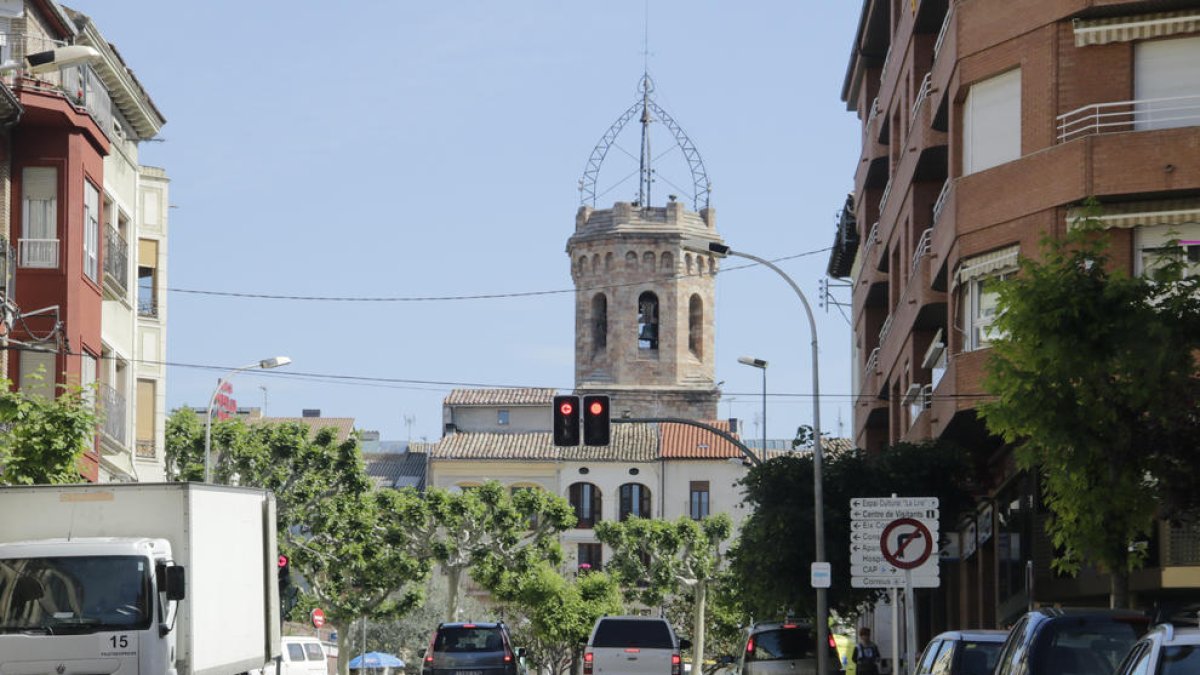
1166	83
992	122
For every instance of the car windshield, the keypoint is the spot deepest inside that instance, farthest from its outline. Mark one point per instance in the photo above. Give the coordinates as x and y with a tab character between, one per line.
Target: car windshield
74	594
633	633
783	643
978	658
1086	645
1179	660
468	639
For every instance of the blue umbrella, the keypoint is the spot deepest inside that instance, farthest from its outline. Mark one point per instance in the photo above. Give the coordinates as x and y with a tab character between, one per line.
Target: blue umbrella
375	660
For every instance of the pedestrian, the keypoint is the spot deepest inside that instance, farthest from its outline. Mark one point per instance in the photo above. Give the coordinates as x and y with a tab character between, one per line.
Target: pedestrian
866	654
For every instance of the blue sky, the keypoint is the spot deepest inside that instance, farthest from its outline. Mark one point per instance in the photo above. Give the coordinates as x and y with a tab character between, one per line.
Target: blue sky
432	149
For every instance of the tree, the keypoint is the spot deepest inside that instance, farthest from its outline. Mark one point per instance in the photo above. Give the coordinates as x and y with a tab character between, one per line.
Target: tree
44	439
776	545
489	529
655	558
724	618
1094	378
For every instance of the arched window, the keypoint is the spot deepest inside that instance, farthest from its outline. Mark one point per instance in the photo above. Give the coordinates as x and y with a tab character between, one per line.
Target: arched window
668	263
688	263
648	261
599	323
595	263
635	501
585	499
696	325
648	321
712	265
582	265
608	261
630	260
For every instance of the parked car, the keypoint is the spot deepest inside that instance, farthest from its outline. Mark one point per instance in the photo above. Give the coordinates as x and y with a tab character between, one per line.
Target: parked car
1053	641
962	652
302	655
1165	650
633	645
784	648
464	648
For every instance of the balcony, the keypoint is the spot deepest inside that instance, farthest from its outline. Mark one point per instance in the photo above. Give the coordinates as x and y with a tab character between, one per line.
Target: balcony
922	94
80	85
116	258
941	201
941	38
8	270
922	249
146	449
39	253
147	306
112	404
1135	115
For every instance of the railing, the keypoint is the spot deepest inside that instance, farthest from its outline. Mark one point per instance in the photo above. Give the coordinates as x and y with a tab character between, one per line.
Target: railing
872	115
84	88
146	450
872	362
941	201
8	270
113	405
886	60
937	46
116	256
922	94
1136	115
923	246
872	239
147	306
887	191
38	253
79	84
885	328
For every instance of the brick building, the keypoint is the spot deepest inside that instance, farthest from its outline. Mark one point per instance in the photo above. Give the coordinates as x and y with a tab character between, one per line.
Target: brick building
984	125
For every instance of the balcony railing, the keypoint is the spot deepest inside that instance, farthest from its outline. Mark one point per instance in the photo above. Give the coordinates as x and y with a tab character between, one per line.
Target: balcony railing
1136	115
8	270
885	328
147	306
38	253
922	94
872	362
941	201
886	60
112	403
79	84
922	249
887	191
873	114
146	450
116	257
937	46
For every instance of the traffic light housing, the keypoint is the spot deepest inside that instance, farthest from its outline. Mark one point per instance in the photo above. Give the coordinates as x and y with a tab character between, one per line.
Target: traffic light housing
596	423
287	589
566	421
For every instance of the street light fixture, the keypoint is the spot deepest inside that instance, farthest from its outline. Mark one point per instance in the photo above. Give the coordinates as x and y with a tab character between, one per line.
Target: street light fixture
721	250
761	365
265	364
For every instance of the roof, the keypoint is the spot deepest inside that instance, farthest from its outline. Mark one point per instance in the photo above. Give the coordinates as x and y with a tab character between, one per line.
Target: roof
398	469
974	635
532	445
512	396
628	442
684	441
828	446
343	425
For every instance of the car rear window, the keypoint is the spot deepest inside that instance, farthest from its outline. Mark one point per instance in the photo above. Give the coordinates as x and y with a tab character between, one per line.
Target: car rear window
315	653
979	658
633	633
784	643
1091	645
1179	660
473	639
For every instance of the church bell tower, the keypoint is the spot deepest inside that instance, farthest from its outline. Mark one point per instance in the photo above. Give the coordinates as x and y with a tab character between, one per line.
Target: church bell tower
644	293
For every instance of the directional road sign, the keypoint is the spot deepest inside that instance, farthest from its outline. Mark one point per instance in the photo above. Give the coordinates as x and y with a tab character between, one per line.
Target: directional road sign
894	502
877	527
893	582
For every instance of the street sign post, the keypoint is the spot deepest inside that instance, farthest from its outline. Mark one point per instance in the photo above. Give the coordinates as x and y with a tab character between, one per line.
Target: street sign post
318	617
822	574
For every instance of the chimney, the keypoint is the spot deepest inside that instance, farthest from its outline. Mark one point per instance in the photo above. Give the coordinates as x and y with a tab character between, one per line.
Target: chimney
310	412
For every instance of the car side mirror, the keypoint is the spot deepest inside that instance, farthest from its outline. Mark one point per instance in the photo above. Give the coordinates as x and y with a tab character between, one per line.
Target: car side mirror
176	583
521	652
685	644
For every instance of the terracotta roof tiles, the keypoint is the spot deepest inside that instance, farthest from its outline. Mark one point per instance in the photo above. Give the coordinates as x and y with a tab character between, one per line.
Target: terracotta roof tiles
683	441
513	396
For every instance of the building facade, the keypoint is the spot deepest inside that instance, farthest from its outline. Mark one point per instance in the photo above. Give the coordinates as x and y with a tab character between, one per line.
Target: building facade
74	196
984	126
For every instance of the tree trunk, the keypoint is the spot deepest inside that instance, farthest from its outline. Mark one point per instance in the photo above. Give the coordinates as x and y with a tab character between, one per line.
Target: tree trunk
698	629
1119	590
344	647
452	575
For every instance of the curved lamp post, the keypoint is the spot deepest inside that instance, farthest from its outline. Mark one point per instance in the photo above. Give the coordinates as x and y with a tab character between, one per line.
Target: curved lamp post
265	364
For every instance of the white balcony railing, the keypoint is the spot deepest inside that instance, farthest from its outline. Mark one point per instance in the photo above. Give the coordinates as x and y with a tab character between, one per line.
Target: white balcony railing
941	38
885	328
922	94
872	362
922	249
1136	115
941	201
873	114
886	60
38	253
887	191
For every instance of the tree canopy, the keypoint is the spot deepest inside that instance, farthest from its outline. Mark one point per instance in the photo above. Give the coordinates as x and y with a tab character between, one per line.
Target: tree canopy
1094	375
44	438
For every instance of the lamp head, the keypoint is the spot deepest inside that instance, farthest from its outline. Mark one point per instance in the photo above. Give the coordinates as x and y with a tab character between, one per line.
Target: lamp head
275	362
753	362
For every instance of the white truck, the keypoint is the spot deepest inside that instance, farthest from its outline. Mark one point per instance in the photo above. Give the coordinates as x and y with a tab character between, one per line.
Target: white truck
137	579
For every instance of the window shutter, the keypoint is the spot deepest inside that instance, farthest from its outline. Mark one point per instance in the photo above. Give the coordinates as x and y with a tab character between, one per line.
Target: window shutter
1165	69
992	122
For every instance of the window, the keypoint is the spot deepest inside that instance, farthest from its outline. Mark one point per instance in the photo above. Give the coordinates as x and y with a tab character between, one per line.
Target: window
91	231
599	323
1164	71
585	499
696	325
635	501
147	290
38	373
698	502
992	122
502	417
978	277
1157	245
147	399
590	557
648	322
39	222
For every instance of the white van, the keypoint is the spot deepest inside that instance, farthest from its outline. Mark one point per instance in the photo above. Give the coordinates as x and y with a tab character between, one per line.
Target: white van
633	645
302	656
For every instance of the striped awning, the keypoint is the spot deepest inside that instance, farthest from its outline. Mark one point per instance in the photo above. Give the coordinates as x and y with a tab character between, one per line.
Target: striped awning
1133	214
1137	27
987	264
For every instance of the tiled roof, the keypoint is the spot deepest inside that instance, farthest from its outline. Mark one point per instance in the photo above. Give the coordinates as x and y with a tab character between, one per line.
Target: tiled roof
405	469
343	425
828	446
488	397
683	441
532	445
628	442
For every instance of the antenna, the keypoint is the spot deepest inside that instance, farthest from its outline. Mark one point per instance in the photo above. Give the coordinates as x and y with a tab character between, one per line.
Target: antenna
644	162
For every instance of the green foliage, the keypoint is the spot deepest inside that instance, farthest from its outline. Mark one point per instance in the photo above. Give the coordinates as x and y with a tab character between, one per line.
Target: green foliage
45	438
773	555
1094	375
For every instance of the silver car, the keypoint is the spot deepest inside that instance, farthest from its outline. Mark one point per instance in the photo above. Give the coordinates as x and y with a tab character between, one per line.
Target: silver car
784	648
633	645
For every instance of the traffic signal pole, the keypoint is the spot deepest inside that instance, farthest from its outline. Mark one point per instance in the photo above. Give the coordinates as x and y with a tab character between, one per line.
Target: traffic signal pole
754	459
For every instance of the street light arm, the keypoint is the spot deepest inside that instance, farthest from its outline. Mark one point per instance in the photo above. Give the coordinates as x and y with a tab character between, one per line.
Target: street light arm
265	364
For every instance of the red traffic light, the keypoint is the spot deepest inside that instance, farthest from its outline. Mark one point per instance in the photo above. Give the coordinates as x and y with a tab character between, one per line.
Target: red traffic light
566	408
283	560
595	407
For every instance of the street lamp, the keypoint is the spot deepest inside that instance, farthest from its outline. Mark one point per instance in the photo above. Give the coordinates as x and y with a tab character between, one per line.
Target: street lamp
265	364
761	365
721	250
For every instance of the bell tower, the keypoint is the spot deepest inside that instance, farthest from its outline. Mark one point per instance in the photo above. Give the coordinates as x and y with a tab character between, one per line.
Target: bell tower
644	296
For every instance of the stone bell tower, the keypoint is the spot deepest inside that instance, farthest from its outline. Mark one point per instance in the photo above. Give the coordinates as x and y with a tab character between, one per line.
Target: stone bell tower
645	287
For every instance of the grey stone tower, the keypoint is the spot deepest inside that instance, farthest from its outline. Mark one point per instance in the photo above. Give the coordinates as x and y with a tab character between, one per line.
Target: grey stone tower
644	296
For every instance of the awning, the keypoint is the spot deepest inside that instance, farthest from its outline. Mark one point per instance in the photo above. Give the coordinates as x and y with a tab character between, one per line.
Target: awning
987	264
1137	27
1133	214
